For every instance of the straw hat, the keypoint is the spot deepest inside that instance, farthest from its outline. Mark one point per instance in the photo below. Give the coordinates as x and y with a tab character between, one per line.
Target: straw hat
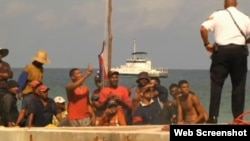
43	88
42	57
4	52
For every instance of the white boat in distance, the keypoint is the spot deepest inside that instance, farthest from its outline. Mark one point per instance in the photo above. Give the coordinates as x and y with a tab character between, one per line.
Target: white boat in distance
139	63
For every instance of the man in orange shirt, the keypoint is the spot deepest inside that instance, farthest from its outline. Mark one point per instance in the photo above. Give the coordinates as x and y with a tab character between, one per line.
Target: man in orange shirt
116	92
80	112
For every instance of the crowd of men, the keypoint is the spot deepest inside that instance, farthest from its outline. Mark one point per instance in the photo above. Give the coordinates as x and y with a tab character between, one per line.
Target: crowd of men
148	103
110	104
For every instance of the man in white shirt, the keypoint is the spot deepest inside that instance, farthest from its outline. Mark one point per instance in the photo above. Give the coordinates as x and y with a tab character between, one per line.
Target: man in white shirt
228	55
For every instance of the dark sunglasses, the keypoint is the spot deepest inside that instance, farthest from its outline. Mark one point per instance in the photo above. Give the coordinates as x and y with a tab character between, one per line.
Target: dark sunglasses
98	81
143	79
95	97
112	105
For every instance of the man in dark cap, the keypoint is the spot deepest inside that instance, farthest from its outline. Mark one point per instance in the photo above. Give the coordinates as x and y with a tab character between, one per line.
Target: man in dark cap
42	109
5	71
98	84
8	105
135	92
113	116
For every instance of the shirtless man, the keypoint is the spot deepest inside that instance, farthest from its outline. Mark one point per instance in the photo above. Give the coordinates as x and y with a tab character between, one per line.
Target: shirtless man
190	110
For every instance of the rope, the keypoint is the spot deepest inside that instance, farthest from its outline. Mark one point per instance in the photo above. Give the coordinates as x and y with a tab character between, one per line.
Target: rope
240	119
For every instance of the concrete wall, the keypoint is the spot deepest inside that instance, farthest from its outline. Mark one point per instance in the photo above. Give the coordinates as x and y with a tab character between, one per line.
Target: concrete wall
128	133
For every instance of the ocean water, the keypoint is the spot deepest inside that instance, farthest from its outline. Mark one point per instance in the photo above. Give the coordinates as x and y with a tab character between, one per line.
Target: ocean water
57	79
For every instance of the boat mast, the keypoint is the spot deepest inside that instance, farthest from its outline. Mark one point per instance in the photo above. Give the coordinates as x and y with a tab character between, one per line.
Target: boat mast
110	36
134	49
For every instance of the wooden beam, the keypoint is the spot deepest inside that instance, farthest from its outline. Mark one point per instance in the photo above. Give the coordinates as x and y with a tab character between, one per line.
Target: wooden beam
110	36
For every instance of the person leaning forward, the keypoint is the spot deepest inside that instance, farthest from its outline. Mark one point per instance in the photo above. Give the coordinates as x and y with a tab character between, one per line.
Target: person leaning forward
229	56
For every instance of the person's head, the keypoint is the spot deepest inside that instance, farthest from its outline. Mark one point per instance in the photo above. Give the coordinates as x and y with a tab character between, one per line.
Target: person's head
98	81
43	91
41	57
184	86
3	52
148	93
174	90
230	3
112	105
155	80
95	100
60	102
75	74
143	79
13	86
113	77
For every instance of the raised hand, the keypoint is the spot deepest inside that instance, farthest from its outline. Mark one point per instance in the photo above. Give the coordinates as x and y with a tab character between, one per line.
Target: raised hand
90	69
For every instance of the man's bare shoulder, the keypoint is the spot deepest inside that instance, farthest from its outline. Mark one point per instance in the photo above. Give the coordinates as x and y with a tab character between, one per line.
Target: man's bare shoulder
193	95
194	98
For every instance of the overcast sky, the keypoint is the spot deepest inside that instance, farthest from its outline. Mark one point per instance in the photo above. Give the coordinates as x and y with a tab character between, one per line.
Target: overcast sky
72	31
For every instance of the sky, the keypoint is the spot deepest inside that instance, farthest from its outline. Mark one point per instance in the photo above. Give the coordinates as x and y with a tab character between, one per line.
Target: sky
72	31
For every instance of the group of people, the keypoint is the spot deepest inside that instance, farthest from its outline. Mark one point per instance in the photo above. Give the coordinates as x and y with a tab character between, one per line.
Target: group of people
147	103
112	104
37	109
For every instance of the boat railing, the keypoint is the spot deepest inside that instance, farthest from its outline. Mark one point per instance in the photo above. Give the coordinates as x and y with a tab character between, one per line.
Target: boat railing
161	69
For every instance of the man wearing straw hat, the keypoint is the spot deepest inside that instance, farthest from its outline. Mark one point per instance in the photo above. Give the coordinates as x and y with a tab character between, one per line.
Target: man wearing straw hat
5	71
32	71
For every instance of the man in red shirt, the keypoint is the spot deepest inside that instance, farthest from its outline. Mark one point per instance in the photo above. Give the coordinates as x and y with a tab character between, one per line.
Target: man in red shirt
116	92
80	112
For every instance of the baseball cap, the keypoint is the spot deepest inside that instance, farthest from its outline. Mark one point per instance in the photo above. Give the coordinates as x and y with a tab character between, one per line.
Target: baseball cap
43	88
97	78
59	99
111	73
95	97
112	103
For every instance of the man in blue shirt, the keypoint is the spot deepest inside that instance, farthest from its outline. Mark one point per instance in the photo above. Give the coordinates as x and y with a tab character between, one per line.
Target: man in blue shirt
42	109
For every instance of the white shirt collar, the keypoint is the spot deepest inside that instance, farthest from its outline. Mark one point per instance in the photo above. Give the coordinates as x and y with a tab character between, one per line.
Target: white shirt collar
143	105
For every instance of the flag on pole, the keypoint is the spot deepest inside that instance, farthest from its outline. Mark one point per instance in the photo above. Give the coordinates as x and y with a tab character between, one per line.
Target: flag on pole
103	62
